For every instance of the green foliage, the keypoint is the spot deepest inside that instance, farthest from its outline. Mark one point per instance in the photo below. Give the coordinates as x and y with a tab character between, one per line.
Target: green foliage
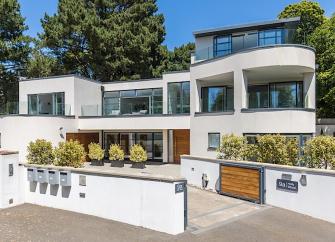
232	147
319	152
311	16
137	153
40	152
95	152
292	147
115	152
274	149
323	40
70	153
106	40
14	49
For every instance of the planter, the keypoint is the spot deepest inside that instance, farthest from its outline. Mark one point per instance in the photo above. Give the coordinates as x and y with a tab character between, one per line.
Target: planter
97	162
117	163
138	165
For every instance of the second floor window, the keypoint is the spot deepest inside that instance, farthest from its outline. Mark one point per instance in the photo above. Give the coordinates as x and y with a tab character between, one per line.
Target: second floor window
179	97
270	37
222	45
46	104
217	99
276	95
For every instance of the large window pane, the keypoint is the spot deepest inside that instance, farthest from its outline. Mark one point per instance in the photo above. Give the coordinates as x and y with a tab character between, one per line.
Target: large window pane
286	95
32	104
59	104
270	37
179	97
213	140
157	101
213	99
258	96
251	40
158	146
222	45
145	140
237	43
185	97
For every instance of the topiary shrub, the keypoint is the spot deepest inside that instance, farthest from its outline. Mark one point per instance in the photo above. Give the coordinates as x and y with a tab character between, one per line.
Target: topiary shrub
319	152
115	153
40	152
95	152
70	153
292	147
232	147
138	154
272	149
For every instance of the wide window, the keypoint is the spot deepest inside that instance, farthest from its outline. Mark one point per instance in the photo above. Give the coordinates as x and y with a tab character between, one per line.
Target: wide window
270	37
222	45
276	95
134	102
217	99
286	95
213	140
46	104
258	96
179	97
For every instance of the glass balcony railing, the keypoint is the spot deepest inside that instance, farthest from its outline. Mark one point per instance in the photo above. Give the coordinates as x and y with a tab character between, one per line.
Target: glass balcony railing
230	44
15	108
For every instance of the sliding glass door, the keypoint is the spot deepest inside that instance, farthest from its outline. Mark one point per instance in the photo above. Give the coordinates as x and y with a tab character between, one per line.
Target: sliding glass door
46	104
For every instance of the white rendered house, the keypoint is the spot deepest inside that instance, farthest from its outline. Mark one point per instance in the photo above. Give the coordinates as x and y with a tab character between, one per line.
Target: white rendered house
248	79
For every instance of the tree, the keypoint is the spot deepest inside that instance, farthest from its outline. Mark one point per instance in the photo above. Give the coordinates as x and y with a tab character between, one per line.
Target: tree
323	40
14	49
311	16
177	60
106	39
319	152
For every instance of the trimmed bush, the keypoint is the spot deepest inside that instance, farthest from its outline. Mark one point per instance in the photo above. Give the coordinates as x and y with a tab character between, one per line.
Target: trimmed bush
273	149
115	152
40	152
292	147
232	147
95	152
70	153
319	152
138	154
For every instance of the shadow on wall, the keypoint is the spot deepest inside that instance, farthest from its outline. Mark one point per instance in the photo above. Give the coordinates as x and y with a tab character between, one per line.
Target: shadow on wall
54	190
32	186
66	192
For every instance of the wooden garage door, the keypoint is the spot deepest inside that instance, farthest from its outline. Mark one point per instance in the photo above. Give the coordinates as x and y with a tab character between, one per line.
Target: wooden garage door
84	138
181	144
242	182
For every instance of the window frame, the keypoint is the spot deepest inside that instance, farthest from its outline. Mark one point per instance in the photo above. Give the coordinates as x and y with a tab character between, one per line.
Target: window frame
212	148
225	99
53	96
180	86
216	44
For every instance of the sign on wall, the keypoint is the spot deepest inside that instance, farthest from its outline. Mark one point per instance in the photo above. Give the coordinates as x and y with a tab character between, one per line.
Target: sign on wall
287	185
179	187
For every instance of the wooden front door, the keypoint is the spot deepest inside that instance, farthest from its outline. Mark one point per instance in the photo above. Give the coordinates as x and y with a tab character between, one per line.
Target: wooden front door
242	182
181	144
84	138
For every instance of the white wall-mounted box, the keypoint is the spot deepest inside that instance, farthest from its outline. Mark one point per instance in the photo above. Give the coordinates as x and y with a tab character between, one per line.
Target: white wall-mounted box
32	174
53	177
65	178
42	176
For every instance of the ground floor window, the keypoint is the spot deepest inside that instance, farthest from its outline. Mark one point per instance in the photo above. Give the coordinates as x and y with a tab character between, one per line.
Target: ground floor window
213	141
152	142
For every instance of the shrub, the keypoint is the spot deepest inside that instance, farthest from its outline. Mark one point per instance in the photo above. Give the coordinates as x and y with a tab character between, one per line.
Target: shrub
70	153
232	147
40	152
272	149
138	154
95	152
115	152
319	152
292	148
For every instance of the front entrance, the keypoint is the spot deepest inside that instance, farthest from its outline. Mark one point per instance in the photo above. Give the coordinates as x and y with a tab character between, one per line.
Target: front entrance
181	144
84	138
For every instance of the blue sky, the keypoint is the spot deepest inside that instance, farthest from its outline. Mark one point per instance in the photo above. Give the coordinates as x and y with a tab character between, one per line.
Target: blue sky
182	17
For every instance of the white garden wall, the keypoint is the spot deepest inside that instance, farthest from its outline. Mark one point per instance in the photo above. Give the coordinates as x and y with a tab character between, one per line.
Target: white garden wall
146	202
316	198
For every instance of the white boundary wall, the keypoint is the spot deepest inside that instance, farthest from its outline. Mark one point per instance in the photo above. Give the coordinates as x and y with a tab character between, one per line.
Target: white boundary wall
148	203
316	198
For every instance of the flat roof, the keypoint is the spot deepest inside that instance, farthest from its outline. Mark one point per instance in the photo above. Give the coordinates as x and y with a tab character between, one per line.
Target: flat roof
244	27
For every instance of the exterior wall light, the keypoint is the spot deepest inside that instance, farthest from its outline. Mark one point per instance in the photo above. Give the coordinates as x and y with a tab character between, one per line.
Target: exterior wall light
61	132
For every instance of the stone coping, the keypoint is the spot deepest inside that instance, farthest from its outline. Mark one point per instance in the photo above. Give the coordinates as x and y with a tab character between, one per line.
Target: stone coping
266	165
8	152
109	173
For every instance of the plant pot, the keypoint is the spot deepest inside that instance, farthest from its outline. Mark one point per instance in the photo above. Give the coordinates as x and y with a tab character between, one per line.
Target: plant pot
117	163
97	162
138	165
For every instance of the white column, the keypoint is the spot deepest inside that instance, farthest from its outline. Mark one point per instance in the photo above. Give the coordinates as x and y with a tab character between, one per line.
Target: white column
309	90
240	90
165	146
165	97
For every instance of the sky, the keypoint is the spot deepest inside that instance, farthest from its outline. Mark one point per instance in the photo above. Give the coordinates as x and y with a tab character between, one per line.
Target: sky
182	17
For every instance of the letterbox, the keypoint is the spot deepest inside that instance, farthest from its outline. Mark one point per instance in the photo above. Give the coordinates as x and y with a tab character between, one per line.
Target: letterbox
65	178
53	177
32	174
42	176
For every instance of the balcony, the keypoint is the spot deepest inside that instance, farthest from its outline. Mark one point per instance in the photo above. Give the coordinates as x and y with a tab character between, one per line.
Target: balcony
230	44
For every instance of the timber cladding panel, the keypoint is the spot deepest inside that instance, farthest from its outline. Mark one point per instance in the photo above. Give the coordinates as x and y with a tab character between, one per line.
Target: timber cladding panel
181	144
241	182
84	138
